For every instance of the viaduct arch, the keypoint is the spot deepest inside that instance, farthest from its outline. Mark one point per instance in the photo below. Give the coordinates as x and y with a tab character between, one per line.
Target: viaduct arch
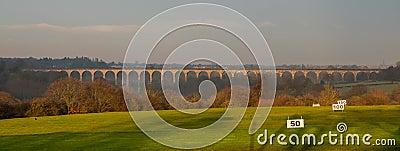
315	75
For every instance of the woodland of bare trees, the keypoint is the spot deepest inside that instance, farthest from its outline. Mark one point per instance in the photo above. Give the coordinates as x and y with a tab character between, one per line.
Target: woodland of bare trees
70	96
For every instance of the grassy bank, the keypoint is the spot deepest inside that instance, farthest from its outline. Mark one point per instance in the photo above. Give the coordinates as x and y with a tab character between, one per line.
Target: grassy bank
116	131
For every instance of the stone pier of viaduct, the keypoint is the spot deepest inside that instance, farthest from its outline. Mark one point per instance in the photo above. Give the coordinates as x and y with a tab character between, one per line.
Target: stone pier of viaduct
115	75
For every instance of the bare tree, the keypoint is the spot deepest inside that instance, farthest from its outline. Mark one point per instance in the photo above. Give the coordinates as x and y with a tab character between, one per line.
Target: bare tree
43	107
9	106
329	95
67	91
104	97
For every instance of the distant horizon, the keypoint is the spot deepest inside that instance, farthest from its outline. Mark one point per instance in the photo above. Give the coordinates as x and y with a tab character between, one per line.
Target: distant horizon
141	63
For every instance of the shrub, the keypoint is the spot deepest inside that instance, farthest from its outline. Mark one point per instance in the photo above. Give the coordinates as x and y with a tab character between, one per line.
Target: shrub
10	106
43	107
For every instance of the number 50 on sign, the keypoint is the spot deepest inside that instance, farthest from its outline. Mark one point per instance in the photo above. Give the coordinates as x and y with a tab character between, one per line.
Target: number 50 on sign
295	123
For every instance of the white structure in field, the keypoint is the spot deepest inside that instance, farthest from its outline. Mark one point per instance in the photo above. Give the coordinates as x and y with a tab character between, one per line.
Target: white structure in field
342	102
339	106
316	105
295	123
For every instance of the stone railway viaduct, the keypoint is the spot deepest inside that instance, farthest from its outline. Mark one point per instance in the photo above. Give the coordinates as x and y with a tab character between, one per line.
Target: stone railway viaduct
115	75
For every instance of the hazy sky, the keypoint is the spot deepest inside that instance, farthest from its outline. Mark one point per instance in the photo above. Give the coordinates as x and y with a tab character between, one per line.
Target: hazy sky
298	31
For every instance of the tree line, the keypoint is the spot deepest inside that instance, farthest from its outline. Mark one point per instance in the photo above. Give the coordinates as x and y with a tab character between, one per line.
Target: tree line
357	95
71	96
67	96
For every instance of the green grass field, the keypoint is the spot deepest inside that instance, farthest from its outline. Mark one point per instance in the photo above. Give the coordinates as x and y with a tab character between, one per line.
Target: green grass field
116	131
386	86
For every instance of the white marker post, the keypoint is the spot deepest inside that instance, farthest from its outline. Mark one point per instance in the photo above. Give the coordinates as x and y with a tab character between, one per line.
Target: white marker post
338	107
295	123
342	102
